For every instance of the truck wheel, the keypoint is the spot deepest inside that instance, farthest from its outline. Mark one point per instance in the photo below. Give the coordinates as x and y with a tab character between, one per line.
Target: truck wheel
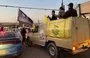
53	50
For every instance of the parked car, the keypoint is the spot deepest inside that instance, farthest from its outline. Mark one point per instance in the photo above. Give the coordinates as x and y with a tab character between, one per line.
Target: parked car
10	45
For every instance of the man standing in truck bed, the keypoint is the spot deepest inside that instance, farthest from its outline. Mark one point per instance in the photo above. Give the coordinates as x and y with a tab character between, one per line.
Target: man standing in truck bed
71	12
54	16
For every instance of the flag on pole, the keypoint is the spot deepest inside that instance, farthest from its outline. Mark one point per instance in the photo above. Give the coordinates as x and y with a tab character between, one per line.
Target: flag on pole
22	17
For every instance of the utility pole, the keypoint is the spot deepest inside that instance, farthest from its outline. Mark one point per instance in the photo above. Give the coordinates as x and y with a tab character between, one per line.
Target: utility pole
62	5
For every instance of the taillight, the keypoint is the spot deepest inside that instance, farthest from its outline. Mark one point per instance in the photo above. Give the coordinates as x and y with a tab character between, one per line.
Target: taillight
74	48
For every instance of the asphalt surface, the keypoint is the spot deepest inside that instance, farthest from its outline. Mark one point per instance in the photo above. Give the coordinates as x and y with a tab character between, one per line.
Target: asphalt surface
40	52
34	52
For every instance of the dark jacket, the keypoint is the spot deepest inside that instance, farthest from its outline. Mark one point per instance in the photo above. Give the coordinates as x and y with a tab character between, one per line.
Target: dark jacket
70	13
54	17
23	31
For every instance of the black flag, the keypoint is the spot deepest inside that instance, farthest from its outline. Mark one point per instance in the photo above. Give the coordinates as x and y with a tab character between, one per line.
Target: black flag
22	17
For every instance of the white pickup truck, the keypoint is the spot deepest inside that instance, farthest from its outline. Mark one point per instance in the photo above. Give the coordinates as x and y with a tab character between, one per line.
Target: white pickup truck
71	34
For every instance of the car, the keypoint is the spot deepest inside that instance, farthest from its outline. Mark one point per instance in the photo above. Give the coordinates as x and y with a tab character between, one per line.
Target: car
10	45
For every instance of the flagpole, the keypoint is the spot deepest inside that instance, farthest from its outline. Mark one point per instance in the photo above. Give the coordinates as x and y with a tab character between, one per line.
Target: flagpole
18	16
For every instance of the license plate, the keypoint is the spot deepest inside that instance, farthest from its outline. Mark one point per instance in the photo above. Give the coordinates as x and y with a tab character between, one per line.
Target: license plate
3	52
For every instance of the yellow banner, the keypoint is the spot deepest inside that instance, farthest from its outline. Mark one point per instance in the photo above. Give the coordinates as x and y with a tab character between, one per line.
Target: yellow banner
59	28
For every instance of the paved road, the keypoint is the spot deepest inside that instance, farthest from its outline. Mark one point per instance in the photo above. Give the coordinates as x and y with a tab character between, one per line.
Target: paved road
34	52
40	52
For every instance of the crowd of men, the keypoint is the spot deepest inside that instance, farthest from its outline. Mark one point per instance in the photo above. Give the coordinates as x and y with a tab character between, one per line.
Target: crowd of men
71	12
